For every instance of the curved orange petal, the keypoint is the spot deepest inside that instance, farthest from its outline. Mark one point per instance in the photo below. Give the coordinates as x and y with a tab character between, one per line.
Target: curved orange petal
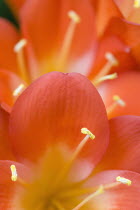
53	110
9	82
124	46
128	10
45	23
7	187
124	147
5	150
119	197
105	10
127	86
8	38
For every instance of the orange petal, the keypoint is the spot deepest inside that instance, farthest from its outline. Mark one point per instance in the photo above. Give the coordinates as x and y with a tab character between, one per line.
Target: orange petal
45	23
124	147
5	150
127	86
9	82
119	197
124	46
128	10
53	110
105	10
8	38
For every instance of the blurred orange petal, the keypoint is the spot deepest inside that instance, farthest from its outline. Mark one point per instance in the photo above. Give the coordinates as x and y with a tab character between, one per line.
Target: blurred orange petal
9	82
127	86
124	147
8	38
47	35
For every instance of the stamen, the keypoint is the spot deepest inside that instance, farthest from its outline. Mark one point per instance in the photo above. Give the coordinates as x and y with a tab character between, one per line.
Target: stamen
75	19
136	3
75	154
18	90
99	191
14	173
86	131
117	102
123	180
112	61
104	78
15	177
18	49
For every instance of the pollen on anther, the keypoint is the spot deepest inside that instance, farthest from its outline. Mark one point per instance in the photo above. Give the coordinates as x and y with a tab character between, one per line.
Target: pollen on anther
87	132
14	173
18	90
137	4
119	100
123	180
20	45
111	58
74	16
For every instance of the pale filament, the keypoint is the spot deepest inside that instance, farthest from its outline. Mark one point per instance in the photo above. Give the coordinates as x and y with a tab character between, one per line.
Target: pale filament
75	154
66	46
111	61
106	77
19	50
117	101
102	188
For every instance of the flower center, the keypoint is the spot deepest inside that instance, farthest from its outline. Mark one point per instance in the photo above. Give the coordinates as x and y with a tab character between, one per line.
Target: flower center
52	187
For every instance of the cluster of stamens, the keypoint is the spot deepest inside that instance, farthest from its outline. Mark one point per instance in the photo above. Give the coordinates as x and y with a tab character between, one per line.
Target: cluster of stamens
89	193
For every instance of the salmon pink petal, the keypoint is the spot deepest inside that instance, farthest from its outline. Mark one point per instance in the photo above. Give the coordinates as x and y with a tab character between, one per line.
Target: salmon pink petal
125	7
9	82
127	86
130	12
53	110
8	38
124	147
5	150
117	197
7	187
47	35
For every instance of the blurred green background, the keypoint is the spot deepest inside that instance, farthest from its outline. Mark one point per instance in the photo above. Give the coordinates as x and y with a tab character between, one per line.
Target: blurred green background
6	12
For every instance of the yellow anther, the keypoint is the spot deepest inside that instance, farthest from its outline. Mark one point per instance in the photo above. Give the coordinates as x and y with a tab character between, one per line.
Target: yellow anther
111	58
119	100
14	173
137	3
18	90
87	132
74	16
22	43
123	180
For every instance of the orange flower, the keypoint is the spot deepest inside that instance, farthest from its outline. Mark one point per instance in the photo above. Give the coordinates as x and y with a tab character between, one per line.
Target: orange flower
66	36
55	168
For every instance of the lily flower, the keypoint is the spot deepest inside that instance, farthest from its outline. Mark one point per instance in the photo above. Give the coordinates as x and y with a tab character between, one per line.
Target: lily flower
66	37
52	167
